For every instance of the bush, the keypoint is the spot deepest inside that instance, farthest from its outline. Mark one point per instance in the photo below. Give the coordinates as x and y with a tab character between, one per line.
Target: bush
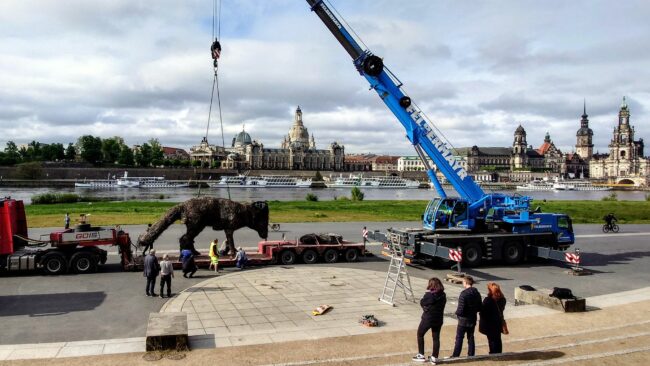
319	214
612	197
342	198
357	195
311	197
647	197
51	198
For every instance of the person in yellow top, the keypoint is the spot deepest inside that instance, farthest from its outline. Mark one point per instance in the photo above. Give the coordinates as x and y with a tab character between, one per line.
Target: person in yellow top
214	255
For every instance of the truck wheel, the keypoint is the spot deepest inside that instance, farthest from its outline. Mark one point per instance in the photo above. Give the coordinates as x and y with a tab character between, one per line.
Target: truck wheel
82	262
288	257
351	255
54	264
310	256
331	256
472	255
513	252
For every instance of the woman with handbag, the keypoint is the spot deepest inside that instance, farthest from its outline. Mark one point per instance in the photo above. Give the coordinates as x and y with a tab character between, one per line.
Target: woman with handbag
492	323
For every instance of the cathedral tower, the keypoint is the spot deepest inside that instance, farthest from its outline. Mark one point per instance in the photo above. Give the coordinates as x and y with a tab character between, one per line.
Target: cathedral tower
519	149
584	137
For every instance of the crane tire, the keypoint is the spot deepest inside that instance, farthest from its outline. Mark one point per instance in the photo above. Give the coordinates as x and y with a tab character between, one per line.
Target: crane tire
351	255
331	256
83	262
513	252
472	255
310	256
54	263
373	65
288	257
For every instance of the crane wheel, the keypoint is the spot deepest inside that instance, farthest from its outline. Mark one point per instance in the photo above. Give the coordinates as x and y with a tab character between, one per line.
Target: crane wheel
472	255
54	263
373	65
288	257
513	252
310	256
405	102
331	256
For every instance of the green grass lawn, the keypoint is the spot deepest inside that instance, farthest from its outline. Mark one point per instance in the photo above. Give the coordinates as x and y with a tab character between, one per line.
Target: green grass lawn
142	212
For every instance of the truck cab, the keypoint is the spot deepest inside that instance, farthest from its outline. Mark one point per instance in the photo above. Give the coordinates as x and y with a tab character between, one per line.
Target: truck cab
447	213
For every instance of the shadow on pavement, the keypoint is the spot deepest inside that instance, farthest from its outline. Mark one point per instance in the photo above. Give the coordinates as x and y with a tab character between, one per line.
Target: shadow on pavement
510	356
597	259
50	304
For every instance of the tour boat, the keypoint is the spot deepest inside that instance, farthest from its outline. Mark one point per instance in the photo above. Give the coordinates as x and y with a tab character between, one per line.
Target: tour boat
267	181
372	182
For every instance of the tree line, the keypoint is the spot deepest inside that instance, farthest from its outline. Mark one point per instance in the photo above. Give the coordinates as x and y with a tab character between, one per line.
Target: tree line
90	149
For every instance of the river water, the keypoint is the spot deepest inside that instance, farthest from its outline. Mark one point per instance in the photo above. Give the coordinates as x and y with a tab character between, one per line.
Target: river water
293	194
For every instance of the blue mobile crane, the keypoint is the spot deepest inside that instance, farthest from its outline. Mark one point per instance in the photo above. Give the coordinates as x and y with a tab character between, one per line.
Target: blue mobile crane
484	225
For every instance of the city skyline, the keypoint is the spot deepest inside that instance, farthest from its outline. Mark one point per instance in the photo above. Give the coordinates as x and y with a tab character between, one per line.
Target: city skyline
142	71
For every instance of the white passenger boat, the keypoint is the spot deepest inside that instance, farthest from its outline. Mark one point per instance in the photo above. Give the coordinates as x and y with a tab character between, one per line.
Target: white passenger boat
585	185
372	182
147	182
96	183
267	181
536	185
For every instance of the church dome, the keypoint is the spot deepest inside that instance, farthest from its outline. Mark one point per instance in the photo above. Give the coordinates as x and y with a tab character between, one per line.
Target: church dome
242	139
520	131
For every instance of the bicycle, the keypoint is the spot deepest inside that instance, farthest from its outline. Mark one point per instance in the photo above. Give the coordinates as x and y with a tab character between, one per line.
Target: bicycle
613	228
275	227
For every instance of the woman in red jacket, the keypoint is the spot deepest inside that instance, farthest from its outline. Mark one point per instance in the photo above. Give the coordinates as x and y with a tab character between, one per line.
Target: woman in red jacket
491	322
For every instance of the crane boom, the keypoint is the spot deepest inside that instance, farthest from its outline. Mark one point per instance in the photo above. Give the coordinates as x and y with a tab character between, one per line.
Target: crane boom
418	130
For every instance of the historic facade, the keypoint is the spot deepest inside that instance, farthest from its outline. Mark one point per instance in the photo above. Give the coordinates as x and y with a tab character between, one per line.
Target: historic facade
625	163
297	152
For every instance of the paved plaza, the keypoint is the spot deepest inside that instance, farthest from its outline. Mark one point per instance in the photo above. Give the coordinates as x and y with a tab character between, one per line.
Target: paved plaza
275	305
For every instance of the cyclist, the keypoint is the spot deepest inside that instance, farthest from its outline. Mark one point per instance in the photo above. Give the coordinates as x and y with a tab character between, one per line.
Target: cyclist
610	219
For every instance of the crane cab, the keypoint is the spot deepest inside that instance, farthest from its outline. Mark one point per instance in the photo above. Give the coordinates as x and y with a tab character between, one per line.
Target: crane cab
447	213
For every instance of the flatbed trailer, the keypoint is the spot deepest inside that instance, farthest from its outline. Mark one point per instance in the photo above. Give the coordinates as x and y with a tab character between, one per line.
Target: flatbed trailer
424	246
309	249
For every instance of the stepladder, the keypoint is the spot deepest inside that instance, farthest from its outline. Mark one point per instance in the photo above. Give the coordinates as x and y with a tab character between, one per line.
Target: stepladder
397	277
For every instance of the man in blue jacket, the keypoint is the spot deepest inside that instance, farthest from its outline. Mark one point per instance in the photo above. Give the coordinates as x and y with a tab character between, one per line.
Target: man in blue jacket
151	270
469	304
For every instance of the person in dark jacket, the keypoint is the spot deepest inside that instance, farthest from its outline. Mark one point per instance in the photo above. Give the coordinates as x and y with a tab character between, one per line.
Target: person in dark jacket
433	307
151	270
469	304
189	266
492	317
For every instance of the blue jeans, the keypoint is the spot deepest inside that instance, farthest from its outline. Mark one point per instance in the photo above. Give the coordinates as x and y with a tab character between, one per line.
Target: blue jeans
241	263
460	334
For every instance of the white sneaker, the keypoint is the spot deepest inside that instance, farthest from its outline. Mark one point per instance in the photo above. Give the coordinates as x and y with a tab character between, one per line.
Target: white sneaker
432	360
419	358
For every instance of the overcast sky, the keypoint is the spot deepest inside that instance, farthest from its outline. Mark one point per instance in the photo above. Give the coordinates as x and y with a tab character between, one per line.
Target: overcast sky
141	69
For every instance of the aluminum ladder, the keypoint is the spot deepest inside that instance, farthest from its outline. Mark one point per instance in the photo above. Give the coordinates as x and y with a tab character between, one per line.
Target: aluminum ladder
397	276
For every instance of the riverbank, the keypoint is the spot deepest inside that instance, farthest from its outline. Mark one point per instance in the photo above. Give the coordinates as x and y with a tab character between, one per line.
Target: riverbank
143	212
